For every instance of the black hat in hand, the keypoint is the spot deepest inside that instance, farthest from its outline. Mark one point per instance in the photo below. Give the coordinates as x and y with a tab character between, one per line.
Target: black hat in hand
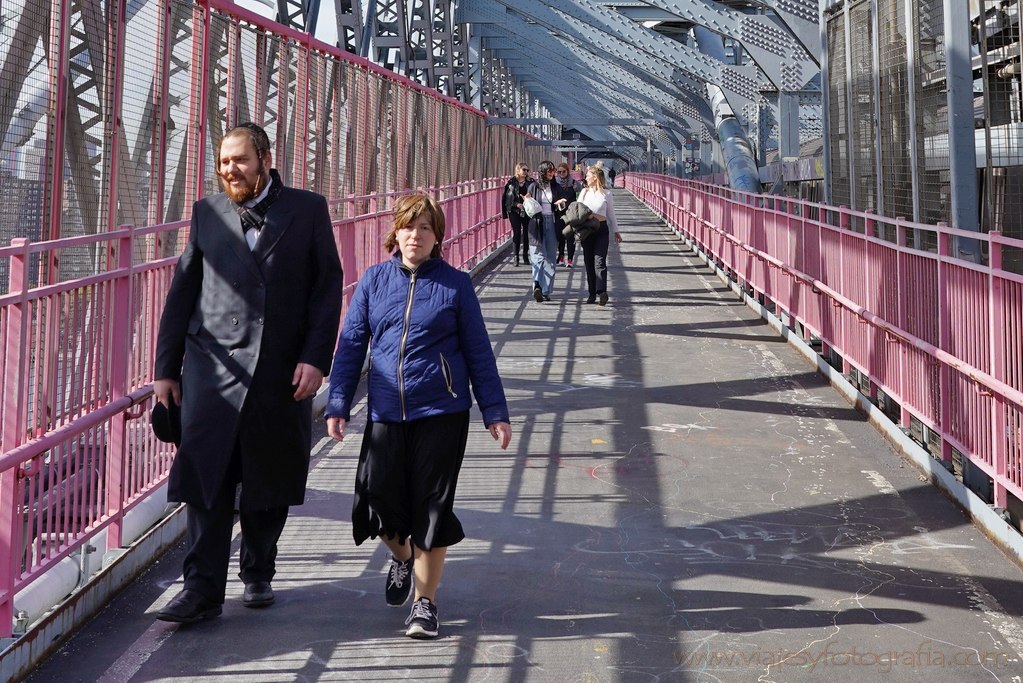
166	422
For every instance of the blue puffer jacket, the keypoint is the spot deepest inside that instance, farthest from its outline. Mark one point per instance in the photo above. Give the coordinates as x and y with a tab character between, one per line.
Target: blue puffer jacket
428	340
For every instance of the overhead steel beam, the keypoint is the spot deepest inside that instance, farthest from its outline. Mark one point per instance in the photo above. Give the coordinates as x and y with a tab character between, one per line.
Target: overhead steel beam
298	14
800	17
590	24
522	44
605	90
616	80
580	144
572	122
784	60
645	13
667	80
348	14
672	99
598	21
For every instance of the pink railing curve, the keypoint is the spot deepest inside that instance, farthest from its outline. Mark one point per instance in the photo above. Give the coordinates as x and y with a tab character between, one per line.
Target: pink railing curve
939	337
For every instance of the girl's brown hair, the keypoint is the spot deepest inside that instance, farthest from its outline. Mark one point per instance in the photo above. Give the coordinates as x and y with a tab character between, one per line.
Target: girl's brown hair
408	208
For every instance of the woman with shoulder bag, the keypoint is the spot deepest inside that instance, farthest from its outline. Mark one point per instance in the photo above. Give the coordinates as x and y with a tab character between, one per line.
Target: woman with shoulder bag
600	201
543	243
517	187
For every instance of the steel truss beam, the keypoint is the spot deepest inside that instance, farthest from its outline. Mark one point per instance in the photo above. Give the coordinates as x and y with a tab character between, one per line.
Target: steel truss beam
787	63
298	14
583	144
629	61
571	123
349	25
621	86
389	31
585	26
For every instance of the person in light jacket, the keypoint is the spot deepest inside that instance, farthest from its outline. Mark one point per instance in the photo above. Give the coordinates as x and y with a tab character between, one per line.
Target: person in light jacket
422	320
600	201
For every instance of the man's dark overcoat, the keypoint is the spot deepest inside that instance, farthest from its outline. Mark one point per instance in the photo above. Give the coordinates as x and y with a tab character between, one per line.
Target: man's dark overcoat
236	324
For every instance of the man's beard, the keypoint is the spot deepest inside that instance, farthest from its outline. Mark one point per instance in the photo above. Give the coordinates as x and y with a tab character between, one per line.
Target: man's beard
248	190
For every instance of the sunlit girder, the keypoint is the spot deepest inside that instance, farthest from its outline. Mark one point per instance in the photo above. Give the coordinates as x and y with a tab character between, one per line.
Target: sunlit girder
783	59
388	28
638	44
349	25
178	32
550	33
458	54
420	61
433	42
85	129
499	95
298	14
520	43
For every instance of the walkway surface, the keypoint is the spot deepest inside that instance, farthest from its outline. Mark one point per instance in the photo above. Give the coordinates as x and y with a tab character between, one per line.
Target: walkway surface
684	499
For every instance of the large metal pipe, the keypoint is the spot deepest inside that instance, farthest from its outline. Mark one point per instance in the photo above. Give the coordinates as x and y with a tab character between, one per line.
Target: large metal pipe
40	596
739	161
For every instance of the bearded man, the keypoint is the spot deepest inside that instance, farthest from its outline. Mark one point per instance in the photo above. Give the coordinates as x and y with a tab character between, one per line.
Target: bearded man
247	334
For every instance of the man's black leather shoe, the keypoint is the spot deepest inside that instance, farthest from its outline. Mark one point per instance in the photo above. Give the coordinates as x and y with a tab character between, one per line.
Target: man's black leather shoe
188	607
258	594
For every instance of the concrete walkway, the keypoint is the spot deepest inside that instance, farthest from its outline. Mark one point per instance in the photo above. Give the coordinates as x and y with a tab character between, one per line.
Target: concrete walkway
684	499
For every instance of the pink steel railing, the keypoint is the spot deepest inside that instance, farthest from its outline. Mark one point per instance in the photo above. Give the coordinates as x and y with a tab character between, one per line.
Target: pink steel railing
76	449
941	336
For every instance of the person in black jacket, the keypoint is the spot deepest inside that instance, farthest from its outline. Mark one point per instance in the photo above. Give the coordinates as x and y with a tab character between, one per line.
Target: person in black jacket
245	339
517	187
569	189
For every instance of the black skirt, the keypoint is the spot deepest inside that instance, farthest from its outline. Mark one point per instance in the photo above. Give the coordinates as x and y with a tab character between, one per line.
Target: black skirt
406	479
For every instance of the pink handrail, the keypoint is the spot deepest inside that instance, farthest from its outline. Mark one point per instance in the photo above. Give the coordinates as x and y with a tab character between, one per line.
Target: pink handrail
933	332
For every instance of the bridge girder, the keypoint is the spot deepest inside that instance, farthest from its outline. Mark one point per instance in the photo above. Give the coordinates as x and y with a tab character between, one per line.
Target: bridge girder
641	60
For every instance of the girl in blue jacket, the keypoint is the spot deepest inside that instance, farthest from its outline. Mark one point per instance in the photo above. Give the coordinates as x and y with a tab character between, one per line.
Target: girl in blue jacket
422	320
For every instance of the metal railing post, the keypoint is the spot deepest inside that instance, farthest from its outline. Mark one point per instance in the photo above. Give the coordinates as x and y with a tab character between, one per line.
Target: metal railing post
16	362
120	353
944	334
999	407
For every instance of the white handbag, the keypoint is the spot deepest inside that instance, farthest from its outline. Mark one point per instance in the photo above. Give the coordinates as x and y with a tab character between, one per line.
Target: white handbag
531	206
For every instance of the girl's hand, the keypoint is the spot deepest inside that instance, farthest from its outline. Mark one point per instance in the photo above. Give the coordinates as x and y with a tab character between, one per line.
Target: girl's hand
618	237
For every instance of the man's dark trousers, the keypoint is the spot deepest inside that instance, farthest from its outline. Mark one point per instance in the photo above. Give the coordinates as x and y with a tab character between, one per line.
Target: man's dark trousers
209	540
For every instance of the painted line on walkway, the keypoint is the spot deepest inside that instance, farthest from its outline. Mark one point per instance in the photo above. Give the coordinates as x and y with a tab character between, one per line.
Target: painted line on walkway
138	653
